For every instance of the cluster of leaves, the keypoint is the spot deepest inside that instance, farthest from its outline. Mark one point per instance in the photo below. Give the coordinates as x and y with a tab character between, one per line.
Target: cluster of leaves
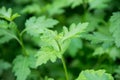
92	36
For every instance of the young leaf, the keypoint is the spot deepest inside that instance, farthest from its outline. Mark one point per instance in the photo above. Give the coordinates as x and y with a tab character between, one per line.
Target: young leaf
74	31
48	39
115	27
36	26
94	75
53	45
7	14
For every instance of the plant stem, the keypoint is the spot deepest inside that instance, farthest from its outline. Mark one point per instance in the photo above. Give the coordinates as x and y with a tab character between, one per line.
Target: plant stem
65	68
22	45
20	41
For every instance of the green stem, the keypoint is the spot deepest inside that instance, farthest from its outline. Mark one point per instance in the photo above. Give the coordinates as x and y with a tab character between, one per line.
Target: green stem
22	32
63	61
65	68
22	45
20	41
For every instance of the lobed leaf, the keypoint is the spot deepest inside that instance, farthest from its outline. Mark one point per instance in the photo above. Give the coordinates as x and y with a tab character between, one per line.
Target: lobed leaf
99	4
46	54
74	31
97	37
6	35
53	45
36	26
115	27
3	24
22	67
7	14
94	75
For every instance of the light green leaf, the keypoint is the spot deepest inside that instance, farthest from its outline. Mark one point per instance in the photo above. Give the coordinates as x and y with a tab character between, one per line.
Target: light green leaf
3	24
53	9
94	75
97	37
74	46
48	39
53	45
75	3
32	9
115	27
46	54
6	35
36	26
113	52
7	31
99	4
7	14
22	67
74	31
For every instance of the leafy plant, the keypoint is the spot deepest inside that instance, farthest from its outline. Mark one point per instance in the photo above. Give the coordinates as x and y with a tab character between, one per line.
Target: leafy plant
37	43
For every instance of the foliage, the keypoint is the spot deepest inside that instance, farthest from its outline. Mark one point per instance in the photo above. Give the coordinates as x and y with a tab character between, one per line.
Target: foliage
114	27
80	35
91	74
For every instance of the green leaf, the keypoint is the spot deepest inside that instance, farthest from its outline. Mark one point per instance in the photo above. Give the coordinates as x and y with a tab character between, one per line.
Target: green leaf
94	21
98	37
46	78
74	46
48	39
4	66
22	67
53	45
7	14
6	35
36	26
99	4
74	31
94	75
3	24
75	3
115	27
46	54
32	9
53	9
113	52
117	71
